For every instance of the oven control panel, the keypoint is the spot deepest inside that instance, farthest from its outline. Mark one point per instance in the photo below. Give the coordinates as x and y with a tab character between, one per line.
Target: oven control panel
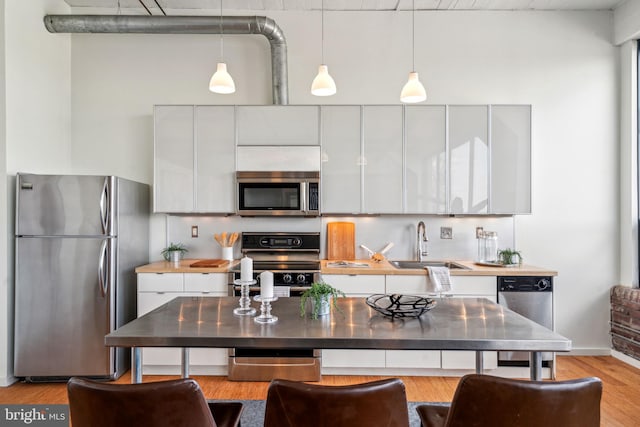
281	241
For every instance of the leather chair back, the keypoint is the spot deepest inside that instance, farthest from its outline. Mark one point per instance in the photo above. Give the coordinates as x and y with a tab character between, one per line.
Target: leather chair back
484	400
377	403
176	403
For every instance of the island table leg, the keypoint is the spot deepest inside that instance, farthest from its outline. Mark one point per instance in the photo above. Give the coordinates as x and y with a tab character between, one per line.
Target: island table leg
185	362
479	362
536	365
136	365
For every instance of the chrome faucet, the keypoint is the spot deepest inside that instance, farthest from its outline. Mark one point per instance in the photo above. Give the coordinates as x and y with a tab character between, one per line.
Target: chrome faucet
422	241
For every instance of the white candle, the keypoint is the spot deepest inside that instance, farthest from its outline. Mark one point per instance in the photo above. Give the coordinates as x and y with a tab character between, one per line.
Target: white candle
266	284
246	269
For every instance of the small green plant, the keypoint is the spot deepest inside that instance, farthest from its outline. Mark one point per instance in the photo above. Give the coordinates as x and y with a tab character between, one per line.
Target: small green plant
173	247
509	256
316	293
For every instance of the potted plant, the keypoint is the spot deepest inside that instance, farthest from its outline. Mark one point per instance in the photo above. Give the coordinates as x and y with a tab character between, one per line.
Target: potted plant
322	296
174	252
509	257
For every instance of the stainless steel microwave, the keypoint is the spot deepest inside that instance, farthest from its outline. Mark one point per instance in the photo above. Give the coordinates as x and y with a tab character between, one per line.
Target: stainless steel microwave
278	193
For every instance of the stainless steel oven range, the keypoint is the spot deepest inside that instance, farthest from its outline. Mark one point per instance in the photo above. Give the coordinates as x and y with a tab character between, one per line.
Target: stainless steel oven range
294	259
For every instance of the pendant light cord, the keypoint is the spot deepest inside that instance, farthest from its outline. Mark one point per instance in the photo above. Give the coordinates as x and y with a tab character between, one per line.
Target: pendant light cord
221	36
322	31
413	35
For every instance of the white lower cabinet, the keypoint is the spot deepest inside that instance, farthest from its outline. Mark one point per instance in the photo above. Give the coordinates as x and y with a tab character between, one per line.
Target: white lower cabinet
353	358
471	286
156	289
415	359
461	286
361	285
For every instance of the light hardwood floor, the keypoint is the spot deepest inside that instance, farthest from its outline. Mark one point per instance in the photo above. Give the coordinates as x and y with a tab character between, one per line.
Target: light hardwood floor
620	401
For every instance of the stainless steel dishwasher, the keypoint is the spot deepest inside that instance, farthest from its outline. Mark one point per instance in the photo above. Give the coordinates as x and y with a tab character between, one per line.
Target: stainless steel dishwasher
531	297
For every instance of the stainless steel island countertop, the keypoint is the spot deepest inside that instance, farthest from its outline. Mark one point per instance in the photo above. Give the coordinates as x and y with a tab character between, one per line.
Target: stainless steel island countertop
453	324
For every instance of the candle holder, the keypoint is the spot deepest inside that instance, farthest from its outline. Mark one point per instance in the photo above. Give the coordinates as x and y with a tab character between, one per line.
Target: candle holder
245	308
265	310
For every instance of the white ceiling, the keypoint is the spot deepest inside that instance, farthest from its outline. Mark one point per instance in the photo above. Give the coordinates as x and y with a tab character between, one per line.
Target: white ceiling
354	4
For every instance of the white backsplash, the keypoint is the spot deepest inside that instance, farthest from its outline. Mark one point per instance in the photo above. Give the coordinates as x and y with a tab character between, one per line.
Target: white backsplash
374	232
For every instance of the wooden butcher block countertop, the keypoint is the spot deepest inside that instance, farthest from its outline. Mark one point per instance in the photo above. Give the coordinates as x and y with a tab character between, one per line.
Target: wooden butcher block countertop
372	267
384	267
184	267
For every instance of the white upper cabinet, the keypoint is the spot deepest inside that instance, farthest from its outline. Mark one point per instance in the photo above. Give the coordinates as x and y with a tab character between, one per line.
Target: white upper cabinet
382	159
194	159
341	161
425	159
215	159
374	159
278	125
173	158
510	159
468	159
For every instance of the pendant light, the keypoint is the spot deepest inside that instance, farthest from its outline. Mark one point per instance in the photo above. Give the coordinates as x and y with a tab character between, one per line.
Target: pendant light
221	81
323	84
413	91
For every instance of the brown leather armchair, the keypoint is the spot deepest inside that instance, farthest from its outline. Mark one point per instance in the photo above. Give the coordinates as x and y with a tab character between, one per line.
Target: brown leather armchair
175	403
377	403
485	400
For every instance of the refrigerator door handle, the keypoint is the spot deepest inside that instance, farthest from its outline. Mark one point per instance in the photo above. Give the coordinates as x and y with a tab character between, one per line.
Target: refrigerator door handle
104	206
102	272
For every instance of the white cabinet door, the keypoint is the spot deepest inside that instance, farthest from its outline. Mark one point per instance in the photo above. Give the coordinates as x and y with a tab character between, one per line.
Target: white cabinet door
160	282
278	125
410	285
382	159
341	161
471	286
510	159
173	158
215	284
425	159
475	286
468	159
215	159
356	285
205	357
353	358
414	359
360	285
162	356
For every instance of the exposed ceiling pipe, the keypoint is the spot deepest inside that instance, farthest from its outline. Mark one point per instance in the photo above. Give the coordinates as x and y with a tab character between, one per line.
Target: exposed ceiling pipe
130	24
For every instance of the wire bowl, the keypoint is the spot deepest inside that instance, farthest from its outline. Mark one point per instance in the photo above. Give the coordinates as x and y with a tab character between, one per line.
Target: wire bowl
397	305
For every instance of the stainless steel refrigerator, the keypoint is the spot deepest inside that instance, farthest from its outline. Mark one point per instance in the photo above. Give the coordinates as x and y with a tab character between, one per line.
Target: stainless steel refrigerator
78	241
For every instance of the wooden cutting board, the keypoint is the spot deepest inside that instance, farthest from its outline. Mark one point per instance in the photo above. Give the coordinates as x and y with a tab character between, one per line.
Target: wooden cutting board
341	241
210	263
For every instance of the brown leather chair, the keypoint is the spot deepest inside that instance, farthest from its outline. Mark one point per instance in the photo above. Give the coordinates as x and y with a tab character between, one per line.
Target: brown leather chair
485	400
377	403
175	403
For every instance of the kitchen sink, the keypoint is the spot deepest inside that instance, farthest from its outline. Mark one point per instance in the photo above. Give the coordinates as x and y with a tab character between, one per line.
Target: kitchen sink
422	264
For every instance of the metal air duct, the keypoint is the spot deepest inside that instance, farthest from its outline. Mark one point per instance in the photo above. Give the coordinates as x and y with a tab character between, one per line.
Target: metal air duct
134	24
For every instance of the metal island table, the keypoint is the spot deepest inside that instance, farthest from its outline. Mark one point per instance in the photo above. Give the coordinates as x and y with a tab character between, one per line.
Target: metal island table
476	324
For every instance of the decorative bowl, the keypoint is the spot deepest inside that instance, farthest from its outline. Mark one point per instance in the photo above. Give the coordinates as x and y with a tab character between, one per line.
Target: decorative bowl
396	305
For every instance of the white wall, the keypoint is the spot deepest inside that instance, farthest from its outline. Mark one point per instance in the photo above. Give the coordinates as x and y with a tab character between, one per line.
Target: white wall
374	232
35	126
567	71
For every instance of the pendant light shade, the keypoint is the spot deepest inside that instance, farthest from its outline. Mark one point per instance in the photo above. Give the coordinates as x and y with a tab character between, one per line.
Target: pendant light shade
221	81
413	91
323	84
